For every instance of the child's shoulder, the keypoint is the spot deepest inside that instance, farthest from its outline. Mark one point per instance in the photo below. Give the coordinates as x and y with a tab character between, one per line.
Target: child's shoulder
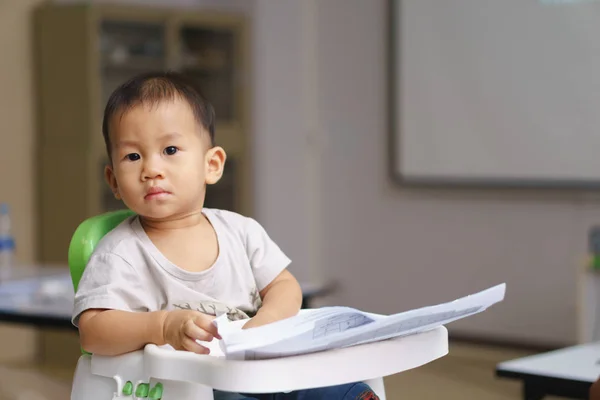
230	218
233	221
120	238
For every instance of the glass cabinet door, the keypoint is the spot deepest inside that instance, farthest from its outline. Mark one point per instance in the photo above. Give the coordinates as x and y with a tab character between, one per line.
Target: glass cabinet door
208	57
127	49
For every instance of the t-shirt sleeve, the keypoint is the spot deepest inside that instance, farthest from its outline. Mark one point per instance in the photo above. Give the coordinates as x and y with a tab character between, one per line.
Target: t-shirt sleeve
109	282
267	260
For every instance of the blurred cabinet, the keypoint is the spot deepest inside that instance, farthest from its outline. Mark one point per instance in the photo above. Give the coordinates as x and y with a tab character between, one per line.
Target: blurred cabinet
83	52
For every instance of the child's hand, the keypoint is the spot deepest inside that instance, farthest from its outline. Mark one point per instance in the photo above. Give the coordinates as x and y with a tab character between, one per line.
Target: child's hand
181	329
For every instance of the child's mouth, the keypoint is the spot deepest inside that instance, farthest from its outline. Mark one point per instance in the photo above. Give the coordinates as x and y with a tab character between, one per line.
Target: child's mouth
155	193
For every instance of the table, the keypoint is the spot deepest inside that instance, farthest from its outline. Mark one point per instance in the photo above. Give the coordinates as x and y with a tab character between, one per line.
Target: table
567	372
37	295
42	296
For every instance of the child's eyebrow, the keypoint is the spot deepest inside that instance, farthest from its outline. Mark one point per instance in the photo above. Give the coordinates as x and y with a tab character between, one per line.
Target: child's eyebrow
170	136
166	137
126	143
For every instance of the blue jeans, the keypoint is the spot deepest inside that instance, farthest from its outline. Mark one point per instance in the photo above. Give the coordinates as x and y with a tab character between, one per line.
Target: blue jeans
350	391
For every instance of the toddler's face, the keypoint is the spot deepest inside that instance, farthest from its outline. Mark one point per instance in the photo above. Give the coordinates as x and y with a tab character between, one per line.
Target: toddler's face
162	160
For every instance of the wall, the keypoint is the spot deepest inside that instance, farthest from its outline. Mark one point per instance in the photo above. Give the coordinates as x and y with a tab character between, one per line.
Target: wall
17	155
394	248
325	193
286	192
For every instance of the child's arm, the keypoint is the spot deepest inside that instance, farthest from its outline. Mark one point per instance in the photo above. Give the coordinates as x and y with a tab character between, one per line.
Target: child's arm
282	298
114	332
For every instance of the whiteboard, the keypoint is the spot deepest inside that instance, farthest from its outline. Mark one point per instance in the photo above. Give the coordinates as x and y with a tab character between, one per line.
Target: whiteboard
496	91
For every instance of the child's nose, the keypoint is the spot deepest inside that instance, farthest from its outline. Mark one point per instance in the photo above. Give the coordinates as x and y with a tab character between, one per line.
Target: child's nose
152	170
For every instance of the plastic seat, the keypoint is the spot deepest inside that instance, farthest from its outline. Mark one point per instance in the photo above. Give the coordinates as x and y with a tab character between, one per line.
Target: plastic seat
159	372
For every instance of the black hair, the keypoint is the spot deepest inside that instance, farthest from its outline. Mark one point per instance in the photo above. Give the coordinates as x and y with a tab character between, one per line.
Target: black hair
152	88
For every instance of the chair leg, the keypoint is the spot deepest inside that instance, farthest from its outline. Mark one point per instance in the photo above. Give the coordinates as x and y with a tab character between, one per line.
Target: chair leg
179	390
377	386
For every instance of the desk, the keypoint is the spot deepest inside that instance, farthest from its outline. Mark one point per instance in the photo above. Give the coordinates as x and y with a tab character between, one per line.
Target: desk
567	372
43	297
40	296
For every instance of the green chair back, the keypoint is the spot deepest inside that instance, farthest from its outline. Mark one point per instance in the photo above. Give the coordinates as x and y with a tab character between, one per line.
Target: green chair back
86	237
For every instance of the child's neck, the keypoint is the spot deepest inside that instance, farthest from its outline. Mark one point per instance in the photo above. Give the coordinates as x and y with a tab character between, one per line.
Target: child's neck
176	222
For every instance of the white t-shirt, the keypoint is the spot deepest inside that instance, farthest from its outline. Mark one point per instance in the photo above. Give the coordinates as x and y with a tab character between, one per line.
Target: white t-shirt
127	272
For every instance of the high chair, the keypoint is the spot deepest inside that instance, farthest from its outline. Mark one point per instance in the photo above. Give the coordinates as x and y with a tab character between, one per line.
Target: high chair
159	372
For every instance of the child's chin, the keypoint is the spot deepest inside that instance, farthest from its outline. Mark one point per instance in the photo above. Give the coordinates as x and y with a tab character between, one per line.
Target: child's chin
154	213
157	215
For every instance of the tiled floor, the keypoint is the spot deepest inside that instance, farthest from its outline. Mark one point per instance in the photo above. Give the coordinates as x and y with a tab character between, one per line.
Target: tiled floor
466	373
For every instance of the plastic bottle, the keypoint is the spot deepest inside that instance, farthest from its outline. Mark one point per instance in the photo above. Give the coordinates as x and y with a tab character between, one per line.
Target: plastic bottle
7	242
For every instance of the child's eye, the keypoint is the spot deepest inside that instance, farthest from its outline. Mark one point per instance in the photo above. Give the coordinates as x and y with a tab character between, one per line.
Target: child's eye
171	150
132	157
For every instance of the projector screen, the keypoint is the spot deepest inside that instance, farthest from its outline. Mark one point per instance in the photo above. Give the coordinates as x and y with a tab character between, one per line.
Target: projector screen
496	91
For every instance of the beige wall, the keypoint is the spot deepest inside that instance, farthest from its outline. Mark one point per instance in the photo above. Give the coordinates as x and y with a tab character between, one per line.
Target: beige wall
391	248
394	248
17	155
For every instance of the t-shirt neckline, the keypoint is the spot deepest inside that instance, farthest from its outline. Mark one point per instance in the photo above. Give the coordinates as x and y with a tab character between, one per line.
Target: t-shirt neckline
171	267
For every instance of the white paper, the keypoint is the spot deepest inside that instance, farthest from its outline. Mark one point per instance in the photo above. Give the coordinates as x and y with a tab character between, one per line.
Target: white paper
335	327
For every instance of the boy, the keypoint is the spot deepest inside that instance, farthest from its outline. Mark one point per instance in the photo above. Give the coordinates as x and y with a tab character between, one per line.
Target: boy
162	276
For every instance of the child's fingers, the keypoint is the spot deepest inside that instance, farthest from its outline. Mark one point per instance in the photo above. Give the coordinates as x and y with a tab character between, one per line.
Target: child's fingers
190	344
206	324
192	330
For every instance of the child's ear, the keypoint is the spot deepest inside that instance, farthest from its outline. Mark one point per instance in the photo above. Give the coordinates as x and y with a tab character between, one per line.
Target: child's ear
109	176
215	163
